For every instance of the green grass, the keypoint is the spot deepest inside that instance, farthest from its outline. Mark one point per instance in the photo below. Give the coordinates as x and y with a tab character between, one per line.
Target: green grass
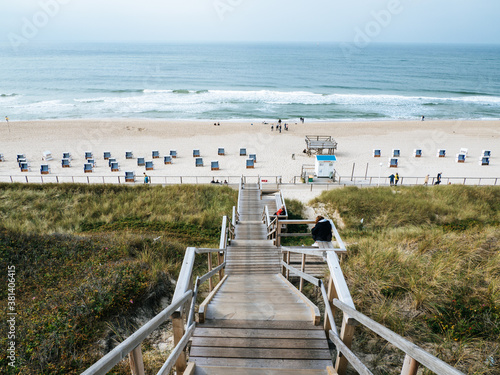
87	257
425	262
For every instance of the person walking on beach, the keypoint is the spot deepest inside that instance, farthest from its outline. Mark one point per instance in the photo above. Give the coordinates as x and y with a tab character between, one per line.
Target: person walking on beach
147	180
438	179
272	128
391	179
426	180
396	179
7	118
423	117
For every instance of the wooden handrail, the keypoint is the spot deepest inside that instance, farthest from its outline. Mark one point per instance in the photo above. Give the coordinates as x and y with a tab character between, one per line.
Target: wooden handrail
107	362
414	354
428	360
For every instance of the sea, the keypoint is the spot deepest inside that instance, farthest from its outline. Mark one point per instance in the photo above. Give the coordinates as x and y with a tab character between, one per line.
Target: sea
248	81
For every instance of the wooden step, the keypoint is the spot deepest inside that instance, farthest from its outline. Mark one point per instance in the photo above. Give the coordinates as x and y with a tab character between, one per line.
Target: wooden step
212	370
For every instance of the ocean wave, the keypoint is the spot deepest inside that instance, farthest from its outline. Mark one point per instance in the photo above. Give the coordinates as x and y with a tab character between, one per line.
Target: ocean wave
8	95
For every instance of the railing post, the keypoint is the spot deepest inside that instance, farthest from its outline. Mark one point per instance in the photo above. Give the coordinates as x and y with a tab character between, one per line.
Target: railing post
346	335
210	283
302	268
332	293
136	362
410	366
278	232
220	260
178	328
287	262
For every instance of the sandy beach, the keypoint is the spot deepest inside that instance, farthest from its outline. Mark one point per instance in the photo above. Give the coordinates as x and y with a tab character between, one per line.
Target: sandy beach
274	150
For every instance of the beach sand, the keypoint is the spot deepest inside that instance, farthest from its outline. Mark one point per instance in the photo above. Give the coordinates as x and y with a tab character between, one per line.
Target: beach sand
356	141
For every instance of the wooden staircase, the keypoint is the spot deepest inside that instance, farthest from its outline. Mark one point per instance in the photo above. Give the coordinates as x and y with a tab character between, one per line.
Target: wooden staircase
257	322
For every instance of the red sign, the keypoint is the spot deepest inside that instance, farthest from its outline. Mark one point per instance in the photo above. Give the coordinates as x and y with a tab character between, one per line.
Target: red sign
264	180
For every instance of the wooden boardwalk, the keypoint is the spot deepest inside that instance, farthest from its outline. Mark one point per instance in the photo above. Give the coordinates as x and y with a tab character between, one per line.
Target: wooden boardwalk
258	323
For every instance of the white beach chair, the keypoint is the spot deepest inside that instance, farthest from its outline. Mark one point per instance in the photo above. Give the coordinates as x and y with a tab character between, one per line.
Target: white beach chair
47	156
464	151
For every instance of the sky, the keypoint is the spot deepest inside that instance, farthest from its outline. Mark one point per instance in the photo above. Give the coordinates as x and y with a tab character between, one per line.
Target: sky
351	21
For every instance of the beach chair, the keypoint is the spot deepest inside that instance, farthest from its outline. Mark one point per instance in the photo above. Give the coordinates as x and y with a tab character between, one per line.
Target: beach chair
141	162
464	151
88	168
129	176
460	158
20	157
20	161
1	158
417	153
173	154
44	169
484	160
167	159
254	157
91	161
243	151
65	163
221	151
25	167
196	153
149	165
214	165
107	155
111	160
250	164
115	167
155	154
396	153
67	155
377	153
441	153
486	153
393	163
89	155
129	155
47	156
198	162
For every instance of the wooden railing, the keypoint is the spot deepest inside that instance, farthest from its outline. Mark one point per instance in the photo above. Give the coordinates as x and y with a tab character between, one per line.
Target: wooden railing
181	311
337	297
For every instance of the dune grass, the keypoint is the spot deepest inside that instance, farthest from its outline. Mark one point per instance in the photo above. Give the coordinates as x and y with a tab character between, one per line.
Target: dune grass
425	262
88	256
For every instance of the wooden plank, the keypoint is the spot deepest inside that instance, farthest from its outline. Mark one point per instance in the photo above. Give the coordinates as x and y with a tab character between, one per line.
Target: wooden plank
260	333
258	353
410	366
259	343
136	362
264	363
190	369
262	324
212	370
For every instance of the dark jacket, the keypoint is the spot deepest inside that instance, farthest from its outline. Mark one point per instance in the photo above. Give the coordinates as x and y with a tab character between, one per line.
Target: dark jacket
322	231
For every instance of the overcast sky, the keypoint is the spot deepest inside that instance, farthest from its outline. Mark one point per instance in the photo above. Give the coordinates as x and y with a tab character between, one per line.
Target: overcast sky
421	21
